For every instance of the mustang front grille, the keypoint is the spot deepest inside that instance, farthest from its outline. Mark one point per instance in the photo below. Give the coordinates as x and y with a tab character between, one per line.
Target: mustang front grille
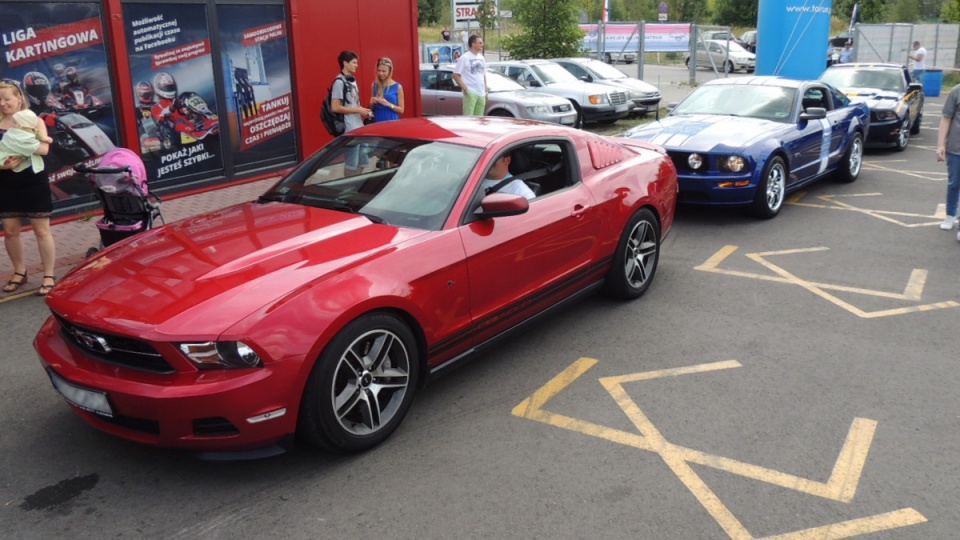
114	349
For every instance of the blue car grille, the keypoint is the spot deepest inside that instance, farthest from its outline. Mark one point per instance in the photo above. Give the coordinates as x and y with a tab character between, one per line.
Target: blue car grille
113	349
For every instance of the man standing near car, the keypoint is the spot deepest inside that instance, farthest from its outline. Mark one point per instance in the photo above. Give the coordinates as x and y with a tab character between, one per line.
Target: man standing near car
919	62
948	149
470	74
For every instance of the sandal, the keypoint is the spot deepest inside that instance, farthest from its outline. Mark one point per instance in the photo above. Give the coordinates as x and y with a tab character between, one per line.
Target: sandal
44	288
13	286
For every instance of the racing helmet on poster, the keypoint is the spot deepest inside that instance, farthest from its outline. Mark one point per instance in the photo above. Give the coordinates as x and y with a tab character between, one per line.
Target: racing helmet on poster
72	74
144	91
58	69
36	86
191	104
165	86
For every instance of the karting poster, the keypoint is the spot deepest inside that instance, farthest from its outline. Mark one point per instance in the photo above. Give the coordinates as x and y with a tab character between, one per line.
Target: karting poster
256	65
55	52
172	72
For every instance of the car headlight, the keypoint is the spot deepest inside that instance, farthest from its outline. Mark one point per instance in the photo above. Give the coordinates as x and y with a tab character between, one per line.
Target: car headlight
695	161
598	99
221	355
732	163
885	115
538	109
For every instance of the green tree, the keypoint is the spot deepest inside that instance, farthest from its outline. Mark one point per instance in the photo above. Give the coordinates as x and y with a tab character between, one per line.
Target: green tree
905	11
951	11
871	11
429	11
736	12
548	29
487	16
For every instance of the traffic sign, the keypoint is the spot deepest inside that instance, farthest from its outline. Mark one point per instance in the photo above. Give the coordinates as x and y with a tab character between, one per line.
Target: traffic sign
662	17
663	7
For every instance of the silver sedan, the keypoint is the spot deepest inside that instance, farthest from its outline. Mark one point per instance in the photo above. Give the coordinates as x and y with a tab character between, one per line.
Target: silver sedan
440	95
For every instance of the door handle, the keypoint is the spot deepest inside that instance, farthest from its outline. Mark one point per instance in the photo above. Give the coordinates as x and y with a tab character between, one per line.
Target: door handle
578	211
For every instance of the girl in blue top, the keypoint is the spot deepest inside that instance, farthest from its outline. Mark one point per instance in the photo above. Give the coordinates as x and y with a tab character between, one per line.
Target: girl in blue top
387	100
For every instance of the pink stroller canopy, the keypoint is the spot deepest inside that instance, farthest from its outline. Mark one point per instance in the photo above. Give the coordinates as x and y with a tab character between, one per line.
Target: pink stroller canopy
118	158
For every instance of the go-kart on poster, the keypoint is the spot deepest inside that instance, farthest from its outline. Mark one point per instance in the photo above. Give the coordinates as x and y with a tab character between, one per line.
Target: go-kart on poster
55	52
256	67
172	72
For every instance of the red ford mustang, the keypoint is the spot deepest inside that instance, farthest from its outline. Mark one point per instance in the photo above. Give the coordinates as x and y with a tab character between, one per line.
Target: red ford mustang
381	260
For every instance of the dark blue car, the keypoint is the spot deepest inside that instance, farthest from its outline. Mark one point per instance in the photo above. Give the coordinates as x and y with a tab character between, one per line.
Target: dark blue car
751	141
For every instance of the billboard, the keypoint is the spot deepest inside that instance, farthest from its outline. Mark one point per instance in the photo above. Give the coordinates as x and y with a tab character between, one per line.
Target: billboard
626	37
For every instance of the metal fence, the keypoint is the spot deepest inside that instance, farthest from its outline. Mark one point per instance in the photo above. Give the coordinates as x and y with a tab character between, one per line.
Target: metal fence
893	42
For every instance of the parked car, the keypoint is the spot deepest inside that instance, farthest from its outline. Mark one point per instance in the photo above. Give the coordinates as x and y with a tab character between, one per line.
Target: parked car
645	96
840	39
323	306
593	102
719	35
749	41
440	95
613	57
723	55
750	141
895	101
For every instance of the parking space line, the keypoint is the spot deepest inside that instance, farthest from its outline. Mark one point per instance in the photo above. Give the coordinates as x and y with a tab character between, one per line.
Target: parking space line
913	291
841	485
832	203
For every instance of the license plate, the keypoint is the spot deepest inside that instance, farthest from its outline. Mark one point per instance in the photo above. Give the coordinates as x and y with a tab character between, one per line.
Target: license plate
624	107
88	400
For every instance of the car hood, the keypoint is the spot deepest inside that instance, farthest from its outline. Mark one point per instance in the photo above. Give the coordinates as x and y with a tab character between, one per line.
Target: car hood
199	276
529	97
873	97
705	133
581	87
635	84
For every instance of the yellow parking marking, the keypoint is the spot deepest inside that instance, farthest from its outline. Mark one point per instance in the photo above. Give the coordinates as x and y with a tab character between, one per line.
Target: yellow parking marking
841	486
912	292
932	175
833	202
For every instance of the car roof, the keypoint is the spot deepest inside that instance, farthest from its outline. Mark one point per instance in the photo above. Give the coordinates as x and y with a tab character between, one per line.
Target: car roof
475	131
866	65
529	62
761	80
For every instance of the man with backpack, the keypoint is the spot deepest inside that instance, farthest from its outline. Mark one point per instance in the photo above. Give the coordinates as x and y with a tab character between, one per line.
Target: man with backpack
345	100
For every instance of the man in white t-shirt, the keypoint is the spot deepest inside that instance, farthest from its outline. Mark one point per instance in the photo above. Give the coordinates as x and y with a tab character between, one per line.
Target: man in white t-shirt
345	100
498	172
470	74
919	63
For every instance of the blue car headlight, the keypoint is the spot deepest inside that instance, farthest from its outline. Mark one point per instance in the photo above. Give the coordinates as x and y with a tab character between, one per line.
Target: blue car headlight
732	163
695	161
883	116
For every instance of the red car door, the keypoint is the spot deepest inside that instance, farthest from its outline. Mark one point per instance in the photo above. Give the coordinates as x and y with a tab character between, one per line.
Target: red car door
518	265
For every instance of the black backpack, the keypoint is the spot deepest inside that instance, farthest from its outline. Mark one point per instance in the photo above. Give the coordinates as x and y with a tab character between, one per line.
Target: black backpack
331	120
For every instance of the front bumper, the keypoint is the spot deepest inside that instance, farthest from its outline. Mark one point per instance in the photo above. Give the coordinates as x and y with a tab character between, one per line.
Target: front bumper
883	133
214	410
601	113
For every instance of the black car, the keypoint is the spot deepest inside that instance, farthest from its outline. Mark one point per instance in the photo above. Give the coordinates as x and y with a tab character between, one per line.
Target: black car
895	101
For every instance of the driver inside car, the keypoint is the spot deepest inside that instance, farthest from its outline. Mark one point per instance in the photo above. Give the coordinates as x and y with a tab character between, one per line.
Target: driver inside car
498	173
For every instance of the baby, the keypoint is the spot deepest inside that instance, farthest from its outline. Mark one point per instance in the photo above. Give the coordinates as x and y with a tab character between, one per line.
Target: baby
22	141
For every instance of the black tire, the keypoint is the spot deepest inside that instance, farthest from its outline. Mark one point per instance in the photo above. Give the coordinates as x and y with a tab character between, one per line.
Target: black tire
636	259
728	67
607	58
852	160
686	61
578	123
915	127
91	252
371	367
771	190
903	139
502	113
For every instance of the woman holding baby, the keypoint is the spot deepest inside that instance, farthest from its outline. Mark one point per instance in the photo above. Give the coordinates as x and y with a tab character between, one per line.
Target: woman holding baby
24	188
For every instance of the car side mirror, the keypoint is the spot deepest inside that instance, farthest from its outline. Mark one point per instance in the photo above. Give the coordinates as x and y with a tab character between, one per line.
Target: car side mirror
586	78
813	113
915	86
502	204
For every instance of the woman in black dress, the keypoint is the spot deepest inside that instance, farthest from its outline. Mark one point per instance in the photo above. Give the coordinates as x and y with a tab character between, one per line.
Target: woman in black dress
24	194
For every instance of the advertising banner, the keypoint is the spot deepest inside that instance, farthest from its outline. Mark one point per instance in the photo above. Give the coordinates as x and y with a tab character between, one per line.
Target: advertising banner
256	66
795	34
171	64
55	52
441	53
626	37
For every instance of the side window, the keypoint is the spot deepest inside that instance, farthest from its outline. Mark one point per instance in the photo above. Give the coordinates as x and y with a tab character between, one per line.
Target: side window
446	82
577	71
428	80
839	99
815	97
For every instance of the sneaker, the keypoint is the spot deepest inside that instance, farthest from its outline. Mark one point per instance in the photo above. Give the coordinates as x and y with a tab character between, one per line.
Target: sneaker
948	223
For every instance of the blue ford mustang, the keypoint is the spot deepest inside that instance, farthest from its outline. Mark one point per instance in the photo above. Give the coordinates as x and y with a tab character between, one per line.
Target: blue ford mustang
750	141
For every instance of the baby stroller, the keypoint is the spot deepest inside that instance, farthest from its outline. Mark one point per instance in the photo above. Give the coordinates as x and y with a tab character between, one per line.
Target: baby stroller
120	182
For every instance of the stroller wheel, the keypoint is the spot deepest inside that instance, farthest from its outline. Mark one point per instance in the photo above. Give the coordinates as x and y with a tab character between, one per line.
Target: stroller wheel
91	251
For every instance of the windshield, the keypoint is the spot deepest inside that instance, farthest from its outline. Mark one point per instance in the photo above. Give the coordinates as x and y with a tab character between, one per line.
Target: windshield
498	83
402	182
888	79
767	102
553	73
605	71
